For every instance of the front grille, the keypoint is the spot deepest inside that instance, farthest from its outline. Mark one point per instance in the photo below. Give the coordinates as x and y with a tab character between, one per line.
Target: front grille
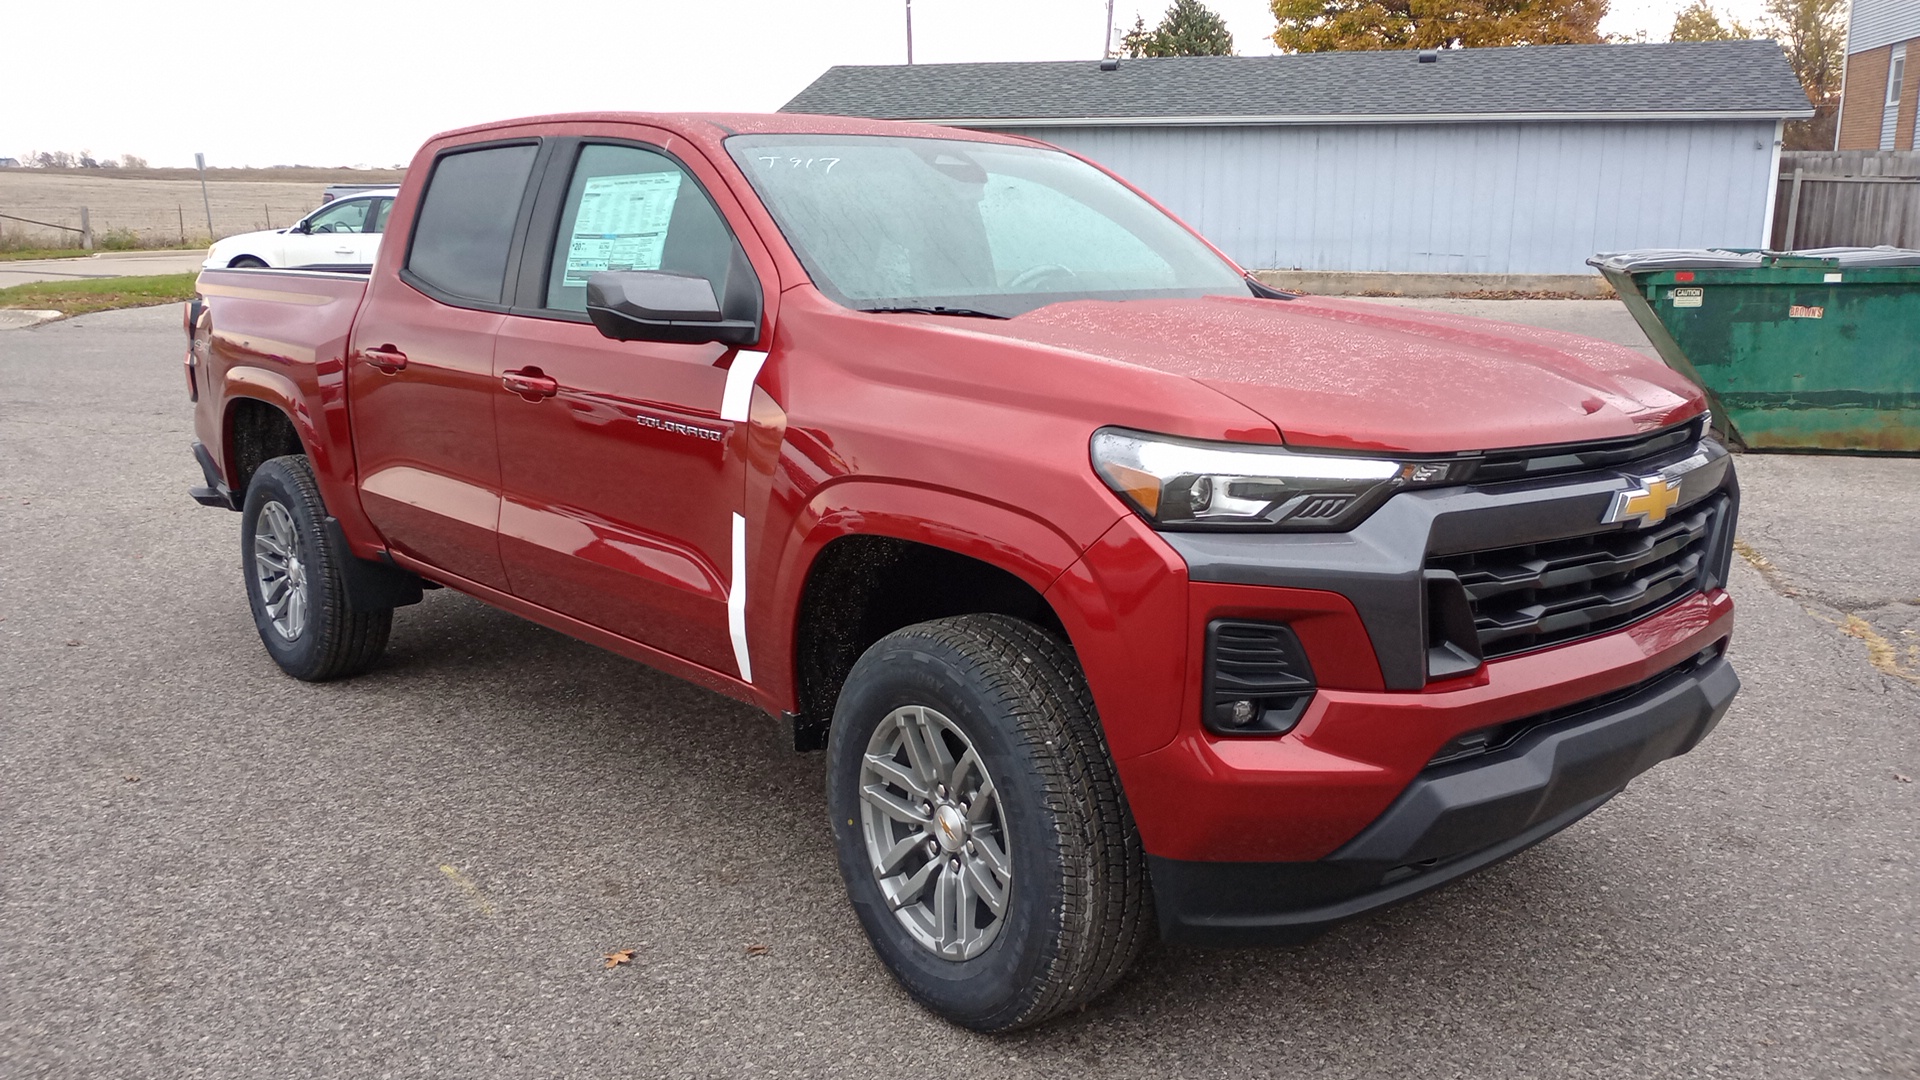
1632	452
1535	595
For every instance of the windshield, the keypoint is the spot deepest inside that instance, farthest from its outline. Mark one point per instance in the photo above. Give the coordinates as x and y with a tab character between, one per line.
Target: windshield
888	222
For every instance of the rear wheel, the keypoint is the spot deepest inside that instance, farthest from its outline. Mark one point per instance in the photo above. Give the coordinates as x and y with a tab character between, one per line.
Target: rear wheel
981	830
292	568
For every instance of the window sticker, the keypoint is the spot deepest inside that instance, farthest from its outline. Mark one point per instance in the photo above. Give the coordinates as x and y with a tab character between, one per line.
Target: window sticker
622	224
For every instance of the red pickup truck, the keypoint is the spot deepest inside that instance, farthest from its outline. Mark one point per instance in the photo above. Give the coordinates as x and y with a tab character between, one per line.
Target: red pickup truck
1124	593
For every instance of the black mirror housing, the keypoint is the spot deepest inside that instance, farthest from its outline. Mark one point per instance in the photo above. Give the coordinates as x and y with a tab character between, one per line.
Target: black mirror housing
655	305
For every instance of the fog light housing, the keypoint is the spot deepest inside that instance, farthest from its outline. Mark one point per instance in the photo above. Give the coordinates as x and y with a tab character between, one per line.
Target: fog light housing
1257	679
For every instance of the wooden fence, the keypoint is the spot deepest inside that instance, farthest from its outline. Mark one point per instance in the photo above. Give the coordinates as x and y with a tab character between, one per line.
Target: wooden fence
1847	198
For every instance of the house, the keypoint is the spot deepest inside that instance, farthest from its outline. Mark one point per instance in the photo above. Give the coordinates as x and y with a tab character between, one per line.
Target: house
1882	85
9	163
1512	161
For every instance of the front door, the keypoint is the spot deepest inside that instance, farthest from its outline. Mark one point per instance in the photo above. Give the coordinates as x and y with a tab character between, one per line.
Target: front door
621	481
335	236
420	380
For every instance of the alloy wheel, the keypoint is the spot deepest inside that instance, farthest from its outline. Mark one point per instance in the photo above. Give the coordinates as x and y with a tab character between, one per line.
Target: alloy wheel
278	570
936	832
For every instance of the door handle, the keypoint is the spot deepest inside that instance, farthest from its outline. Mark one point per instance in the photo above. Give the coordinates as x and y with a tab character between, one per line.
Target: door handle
385	357
530	383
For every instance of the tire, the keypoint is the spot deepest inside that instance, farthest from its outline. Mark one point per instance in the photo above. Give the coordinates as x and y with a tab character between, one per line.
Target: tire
247	262
287	557
1076	909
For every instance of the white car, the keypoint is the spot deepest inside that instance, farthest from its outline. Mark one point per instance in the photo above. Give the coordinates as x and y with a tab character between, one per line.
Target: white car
344	232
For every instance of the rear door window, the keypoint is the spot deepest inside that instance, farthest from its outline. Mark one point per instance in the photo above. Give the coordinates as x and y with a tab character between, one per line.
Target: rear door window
463	235
630	208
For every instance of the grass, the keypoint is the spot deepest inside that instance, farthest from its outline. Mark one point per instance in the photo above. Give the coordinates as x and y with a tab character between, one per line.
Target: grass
99	294
21	244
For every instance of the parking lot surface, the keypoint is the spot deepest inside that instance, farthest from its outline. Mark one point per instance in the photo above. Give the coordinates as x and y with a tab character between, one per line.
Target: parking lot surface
210	870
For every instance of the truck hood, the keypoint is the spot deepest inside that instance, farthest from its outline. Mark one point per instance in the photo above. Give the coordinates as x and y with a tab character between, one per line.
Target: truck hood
1352	375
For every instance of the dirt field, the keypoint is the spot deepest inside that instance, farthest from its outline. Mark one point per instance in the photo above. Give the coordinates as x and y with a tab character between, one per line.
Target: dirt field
157	210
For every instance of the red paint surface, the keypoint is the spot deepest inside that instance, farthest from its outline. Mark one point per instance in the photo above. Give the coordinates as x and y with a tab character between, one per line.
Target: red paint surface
970	435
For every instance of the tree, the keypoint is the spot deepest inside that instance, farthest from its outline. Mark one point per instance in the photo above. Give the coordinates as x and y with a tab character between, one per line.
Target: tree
1814	35
1189	28
1331	25
1699	22
132	161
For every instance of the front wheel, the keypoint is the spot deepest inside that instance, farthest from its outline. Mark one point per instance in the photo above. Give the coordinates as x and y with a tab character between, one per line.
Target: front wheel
247	262
292	568
984	839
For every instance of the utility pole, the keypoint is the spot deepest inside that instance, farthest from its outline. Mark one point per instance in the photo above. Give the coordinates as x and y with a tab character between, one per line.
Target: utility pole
200	162
1106	47
910	30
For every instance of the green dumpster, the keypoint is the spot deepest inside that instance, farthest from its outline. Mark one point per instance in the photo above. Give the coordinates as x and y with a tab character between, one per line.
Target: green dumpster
1805	350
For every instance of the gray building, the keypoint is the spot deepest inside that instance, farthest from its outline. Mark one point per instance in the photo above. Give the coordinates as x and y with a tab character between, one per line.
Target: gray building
1482	161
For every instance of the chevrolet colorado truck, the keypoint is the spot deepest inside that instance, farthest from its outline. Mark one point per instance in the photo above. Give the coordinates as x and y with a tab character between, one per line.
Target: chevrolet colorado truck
1125	594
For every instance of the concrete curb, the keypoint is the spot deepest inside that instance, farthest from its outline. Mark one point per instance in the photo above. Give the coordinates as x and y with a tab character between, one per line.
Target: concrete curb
21	318
1487	286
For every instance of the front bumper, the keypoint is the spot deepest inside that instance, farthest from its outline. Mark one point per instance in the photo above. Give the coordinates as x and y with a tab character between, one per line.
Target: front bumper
1273	836
1454	818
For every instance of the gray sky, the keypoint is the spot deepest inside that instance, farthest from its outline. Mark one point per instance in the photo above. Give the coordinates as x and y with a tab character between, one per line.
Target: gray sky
266	83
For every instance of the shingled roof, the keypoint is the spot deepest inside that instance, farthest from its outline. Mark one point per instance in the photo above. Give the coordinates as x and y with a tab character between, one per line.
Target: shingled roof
1720	79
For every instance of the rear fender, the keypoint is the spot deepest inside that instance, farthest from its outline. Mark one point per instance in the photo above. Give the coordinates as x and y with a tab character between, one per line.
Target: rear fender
332	468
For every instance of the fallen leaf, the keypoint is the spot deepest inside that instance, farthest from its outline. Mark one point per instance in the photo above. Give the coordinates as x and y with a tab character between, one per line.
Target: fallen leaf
73	641
132	779
618	957
757	949
1903	779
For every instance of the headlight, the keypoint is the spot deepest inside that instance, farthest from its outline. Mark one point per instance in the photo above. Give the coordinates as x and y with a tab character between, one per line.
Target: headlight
1188	484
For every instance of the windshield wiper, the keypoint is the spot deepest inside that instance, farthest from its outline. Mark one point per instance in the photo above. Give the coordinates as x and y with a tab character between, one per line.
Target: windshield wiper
932	309
1267	292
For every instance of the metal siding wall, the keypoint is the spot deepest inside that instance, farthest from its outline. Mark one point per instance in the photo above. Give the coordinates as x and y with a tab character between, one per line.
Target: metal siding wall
1495	198
1881	22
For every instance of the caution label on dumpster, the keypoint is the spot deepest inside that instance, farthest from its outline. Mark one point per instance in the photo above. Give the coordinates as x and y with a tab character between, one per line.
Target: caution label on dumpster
1687	297
1799	311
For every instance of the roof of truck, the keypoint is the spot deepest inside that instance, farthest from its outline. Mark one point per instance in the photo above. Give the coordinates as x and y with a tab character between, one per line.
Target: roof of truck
720	125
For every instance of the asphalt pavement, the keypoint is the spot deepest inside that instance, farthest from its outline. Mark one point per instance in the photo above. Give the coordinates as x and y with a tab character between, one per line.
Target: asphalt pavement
210	870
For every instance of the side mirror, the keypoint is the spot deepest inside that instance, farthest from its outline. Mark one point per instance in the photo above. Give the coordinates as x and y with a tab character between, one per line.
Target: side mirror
301	227
654	305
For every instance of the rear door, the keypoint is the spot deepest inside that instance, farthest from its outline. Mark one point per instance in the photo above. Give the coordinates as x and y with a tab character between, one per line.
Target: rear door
621	479
420	380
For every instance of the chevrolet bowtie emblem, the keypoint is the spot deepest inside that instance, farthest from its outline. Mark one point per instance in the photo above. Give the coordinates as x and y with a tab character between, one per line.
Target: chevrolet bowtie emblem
1648	504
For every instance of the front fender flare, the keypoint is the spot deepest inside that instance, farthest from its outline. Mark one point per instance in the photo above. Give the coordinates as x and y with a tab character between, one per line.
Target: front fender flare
1004	537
